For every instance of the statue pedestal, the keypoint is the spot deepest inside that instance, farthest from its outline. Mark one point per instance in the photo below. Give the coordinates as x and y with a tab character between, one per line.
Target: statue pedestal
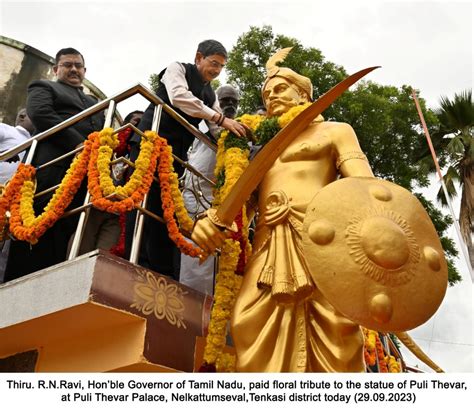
99	313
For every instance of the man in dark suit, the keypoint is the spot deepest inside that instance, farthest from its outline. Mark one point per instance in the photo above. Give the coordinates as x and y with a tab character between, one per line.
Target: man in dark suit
50	103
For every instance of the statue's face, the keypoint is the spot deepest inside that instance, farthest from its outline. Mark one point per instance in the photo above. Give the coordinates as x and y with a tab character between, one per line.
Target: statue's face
280	96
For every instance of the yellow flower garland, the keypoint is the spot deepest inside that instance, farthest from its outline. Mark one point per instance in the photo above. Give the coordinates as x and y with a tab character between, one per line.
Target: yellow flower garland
252	120
108	142
233	162
24	224
94	159
185	221
26	204
287	117
226	284
373	348
393	365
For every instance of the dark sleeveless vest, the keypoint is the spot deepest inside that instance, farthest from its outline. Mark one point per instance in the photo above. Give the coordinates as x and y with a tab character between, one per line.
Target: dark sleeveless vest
199	88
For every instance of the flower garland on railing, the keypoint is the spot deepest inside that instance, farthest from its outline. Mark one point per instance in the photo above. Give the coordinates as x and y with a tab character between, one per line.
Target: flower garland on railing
24	224
132	193
13	190
185	221
101	184
173	203
95	160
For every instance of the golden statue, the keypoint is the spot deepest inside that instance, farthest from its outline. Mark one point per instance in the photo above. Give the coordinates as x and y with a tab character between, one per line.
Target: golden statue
313	278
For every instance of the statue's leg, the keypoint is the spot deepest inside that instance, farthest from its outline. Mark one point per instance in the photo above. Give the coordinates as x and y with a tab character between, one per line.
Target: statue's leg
335	344
267	334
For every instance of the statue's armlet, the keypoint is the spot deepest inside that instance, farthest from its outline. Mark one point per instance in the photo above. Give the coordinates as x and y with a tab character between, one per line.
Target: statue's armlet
350	160
346	156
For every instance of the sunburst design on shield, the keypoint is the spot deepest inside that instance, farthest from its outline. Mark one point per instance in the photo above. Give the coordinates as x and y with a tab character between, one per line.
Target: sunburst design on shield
382	243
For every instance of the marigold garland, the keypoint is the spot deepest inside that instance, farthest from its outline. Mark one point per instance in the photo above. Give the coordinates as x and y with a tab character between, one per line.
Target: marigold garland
13	188
185	221
232	160
369	347
224	293
100	183
95	159
393	365
373	351
24	224
152	147
165	171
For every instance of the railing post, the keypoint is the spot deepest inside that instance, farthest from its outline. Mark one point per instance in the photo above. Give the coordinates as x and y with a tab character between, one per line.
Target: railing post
81	224
138	229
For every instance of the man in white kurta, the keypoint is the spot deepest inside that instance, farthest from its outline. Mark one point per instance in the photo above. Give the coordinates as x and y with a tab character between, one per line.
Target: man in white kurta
197	195
11	136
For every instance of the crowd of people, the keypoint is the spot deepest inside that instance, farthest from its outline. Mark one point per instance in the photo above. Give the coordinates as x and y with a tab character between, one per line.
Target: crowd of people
186	88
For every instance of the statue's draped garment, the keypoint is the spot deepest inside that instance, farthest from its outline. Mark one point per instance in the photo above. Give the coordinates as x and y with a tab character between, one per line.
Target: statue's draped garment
281	321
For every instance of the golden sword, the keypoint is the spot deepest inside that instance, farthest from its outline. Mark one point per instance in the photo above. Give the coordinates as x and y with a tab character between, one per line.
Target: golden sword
259	166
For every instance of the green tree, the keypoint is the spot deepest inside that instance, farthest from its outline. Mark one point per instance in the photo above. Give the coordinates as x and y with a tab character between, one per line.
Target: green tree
246	65
154	82
384	117
387	125
454	142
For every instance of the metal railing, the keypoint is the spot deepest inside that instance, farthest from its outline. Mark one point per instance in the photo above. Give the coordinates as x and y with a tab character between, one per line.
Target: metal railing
110	104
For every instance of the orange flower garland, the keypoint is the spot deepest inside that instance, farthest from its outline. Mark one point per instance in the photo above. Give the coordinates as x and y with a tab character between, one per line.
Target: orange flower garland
165	171
23	223
95	160
13	188
374	351
231	162
381	355
138	184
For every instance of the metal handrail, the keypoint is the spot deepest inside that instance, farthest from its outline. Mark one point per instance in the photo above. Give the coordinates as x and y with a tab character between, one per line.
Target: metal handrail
102	105
110	104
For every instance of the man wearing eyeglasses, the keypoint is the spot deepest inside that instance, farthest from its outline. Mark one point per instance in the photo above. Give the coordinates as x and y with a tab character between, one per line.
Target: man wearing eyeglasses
186	88
48	104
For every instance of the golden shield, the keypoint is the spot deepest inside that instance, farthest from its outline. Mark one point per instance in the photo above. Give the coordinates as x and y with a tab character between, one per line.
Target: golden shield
374	253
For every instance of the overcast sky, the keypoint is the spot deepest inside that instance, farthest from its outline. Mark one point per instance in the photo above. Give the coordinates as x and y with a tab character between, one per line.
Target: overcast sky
427	45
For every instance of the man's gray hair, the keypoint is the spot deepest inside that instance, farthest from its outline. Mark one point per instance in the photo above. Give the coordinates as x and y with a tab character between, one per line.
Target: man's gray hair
212	47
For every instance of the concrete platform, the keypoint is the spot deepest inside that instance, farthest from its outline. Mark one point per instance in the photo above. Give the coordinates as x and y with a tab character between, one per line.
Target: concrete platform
99	313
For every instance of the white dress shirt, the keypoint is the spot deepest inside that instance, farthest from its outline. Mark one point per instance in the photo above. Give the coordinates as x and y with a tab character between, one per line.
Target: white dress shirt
10	137
174	80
